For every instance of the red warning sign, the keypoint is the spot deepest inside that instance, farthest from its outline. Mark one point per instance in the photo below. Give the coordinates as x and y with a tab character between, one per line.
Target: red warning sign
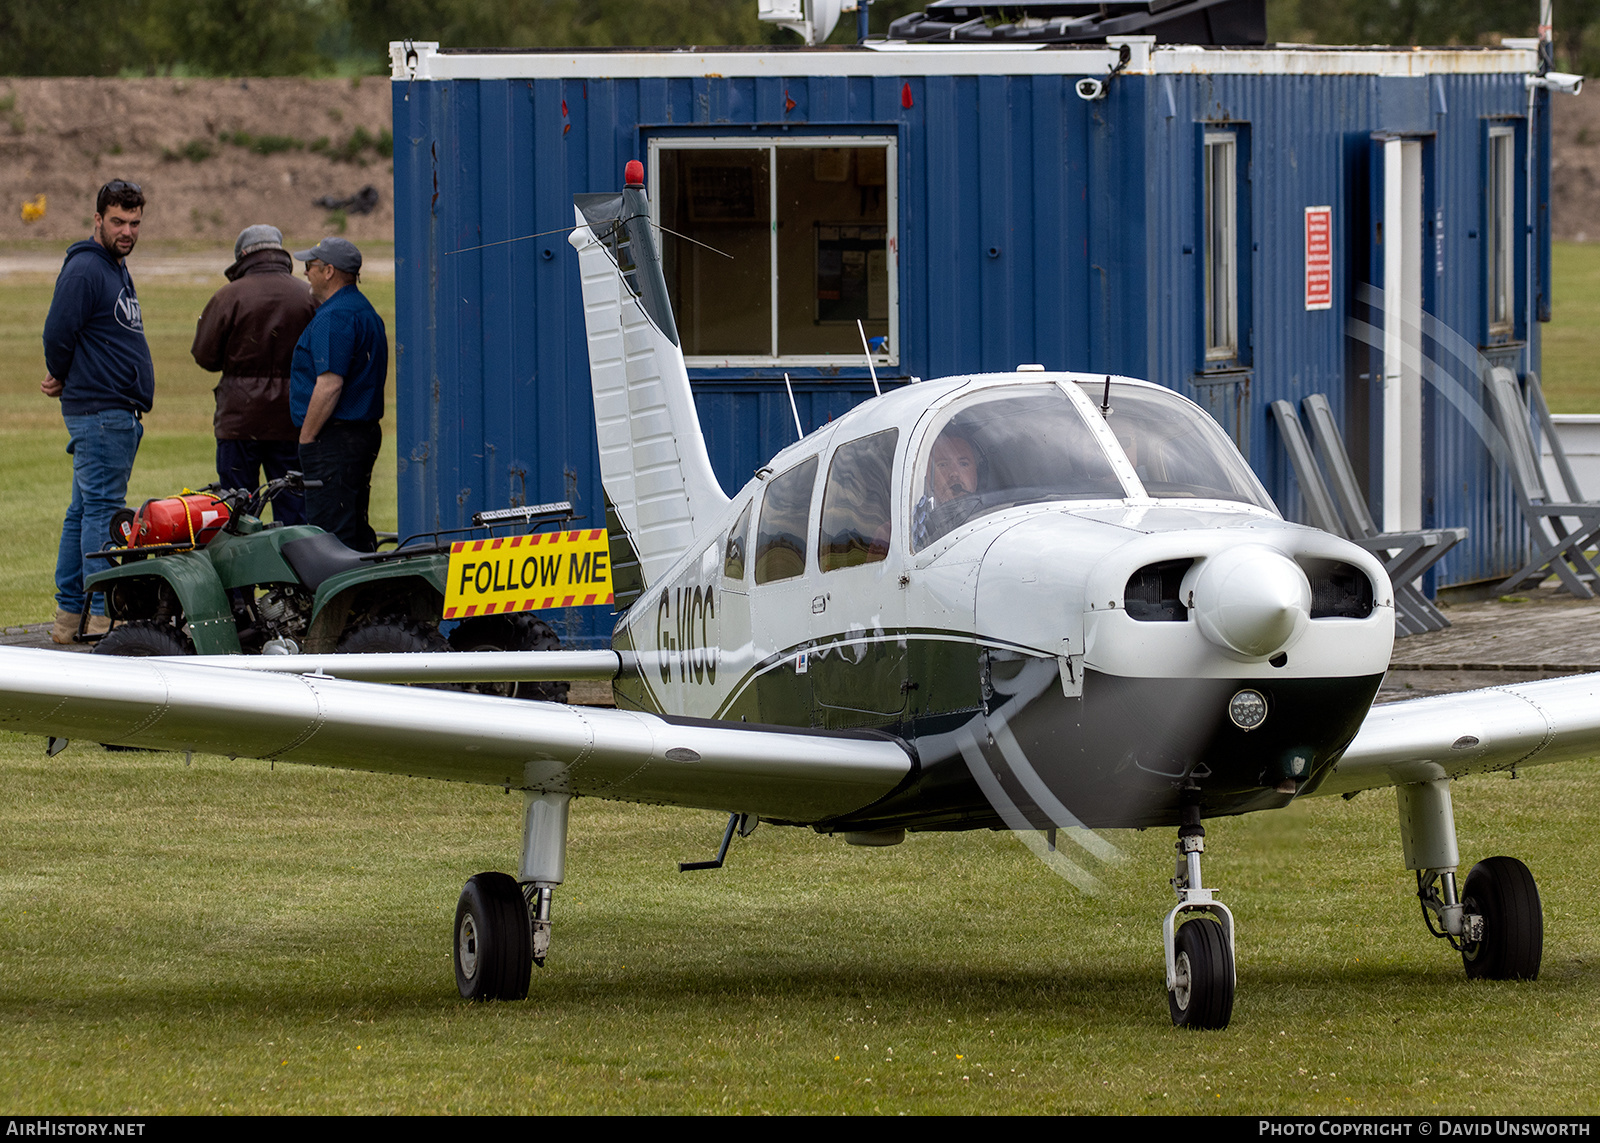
1319	257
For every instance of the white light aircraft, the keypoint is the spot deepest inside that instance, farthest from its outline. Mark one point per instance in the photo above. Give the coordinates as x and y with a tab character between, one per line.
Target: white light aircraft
1030	601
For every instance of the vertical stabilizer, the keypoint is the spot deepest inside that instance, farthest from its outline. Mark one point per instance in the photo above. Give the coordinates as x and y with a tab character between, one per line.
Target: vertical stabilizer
660	489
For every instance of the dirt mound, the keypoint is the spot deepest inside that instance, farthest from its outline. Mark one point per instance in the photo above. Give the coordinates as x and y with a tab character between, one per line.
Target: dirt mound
216	155
1575	166
212	155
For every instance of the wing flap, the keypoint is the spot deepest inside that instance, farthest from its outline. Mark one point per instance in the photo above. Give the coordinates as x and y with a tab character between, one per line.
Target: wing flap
1472	732
626	755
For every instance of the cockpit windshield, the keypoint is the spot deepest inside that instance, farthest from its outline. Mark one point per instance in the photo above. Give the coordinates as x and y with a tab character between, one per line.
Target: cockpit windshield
1003	447
1177	451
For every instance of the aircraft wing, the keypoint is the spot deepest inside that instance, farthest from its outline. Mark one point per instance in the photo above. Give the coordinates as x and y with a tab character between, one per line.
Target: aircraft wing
428	667
1471	732
173	704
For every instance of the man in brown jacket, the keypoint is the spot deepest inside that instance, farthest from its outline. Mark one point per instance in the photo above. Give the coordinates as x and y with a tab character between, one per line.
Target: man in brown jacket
248	331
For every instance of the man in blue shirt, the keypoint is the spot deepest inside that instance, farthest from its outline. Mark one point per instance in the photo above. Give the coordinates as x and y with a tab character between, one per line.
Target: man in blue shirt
336	393
98	363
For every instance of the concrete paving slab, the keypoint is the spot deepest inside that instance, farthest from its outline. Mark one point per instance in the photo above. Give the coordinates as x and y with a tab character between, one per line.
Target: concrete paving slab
1542	630
1540	634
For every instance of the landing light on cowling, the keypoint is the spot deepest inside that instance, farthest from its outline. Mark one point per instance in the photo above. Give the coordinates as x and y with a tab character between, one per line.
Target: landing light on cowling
1252	601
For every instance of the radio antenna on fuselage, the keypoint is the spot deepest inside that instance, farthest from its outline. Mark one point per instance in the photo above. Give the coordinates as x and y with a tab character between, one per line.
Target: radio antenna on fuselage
867	349
793	408
1105	401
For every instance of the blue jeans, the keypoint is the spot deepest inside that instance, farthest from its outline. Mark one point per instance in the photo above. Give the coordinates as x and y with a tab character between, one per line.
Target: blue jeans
103	446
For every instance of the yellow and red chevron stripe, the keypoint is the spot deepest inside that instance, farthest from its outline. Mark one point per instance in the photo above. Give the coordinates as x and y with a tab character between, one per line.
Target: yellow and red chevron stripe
534	572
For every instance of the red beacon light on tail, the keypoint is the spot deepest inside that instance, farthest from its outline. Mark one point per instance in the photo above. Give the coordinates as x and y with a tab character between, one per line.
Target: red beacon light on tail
633	173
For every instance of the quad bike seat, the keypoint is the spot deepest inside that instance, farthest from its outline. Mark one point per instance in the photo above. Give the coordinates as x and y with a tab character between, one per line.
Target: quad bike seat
321	557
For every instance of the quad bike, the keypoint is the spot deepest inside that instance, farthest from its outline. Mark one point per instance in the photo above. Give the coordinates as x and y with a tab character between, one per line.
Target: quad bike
202	574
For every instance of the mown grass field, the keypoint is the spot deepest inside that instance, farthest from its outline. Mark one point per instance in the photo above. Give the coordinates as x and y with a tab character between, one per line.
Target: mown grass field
232	937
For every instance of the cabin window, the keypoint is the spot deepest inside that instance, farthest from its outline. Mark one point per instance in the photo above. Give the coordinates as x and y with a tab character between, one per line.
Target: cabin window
781	247
855	505
733	555
785	514
1175	449
1221	245
1501	203
1003	447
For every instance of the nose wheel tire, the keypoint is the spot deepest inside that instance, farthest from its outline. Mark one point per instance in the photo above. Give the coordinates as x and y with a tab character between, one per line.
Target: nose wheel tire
493	941
1503	893
1202	997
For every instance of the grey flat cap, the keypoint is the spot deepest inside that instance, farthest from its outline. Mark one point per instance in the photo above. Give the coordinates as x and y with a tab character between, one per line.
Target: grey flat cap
257	237
340	253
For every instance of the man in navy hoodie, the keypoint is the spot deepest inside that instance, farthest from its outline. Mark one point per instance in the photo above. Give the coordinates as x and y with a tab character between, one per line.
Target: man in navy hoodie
99	366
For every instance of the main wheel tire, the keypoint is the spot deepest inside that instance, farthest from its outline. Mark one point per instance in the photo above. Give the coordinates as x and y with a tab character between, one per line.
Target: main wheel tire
510	633
1503	893
1203	997
389	636
493	940
142	638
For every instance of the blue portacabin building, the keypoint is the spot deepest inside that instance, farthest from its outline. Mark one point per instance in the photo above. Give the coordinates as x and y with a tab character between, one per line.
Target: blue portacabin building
1240	224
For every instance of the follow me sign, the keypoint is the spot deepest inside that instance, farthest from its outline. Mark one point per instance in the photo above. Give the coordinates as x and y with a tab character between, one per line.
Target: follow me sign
528	573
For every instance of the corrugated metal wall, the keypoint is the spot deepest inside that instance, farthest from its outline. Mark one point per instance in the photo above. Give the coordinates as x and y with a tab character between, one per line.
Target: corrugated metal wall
1034	227
1311	144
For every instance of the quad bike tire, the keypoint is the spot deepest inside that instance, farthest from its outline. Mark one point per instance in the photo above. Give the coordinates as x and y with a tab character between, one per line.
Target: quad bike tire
510	633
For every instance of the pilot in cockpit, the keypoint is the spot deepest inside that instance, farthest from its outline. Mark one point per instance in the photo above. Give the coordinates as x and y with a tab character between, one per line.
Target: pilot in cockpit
950	486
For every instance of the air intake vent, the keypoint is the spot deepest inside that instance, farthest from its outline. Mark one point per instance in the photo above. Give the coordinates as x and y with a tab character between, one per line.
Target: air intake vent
1338	590
1152	593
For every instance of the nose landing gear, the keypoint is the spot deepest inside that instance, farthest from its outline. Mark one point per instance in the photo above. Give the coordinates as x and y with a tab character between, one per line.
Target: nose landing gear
1199	948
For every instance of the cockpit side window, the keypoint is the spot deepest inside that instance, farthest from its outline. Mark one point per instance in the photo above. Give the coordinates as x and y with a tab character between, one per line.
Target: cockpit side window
785	513
733	555
1178	451
1004	447
855	505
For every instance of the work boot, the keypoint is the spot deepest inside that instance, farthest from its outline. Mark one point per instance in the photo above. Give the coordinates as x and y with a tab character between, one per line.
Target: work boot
66	627
65	630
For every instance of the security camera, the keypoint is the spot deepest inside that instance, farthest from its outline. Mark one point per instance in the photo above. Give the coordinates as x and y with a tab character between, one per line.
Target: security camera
1090	89
1565	83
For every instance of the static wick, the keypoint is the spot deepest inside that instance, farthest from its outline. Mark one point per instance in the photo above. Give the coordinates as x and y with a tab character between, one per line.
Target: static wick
1105	401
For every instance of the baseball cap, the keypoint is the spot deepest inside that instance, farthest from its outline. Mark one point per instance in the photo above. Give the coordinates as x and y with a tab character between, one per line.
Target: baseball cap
340	253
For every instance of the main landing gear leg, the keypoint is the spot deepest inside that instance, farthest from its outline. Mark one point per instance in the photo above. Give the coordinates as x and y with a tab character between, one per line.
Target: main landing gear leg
1496	923
503	927
544	862
1200	972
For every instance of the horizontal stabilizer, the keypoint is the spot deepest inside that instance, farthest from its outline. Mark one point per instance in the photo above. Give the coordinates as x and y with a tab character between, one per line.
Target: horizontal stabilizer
171	704
1472	732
